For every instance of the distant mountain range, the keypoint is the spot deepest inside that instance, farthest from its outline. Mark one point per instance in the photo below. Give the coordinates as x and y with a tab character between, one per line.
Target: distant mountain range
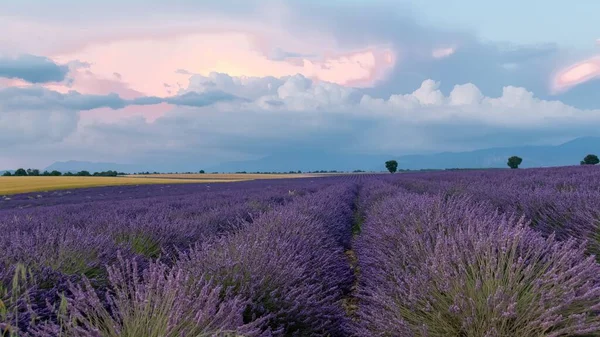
569	153
76	166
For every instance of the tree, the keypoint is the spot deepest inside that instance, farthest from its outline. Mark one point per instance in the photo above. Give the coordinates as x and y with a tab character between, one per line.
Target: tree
55	173
20	172
6	174
514	162
108	173
391	165
201	172
83	174
590	159
33	172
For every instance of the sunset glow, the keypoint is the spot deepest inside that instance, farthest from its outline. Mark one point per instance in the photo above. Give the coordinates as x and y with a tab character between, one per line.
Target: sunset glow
443	52
143	70
576	74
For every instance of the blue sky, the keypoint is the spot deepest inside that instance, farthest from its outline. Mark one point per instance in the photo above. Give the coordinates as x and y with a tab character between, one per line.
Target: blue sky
132	81
569	24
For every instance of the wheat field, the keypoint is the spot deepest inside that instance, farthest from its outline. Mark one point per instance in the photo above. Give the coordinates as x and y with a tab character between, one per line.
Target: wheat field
14	185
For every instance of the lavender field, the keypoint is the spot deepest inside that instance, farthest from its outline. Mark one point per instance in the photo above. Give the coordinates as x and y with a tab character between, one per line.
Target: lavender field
467	253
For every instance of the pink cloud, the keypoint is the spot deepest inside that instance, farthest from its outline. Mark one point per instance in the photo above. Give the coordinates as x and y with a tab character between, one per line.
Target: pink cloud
578	73
441	53
147	64
106	115
86	82
357	69
9	82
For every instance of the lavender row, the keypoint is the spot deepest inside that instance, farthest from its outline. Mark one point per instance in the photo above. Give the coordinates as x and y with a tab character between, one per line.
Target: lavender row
59	244
290	264
278	273
564	202
433	265
136	192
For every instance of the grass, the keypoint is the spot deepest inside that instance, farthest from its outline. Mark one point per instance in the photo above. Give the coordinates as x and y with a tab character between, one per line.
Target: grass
141	243
15	185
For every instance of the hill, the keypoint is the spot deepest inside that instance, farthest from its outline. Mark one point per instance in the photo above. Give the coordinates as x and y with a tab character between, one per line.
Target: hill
569	153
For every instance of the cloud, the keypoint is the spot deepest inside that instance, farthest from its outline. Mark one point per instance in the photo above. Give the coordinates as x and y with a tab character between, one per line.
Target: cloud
440	53
77	64
383	54
36	114
39	98
298	113
327	35
191	99
278	54
580	72
33	69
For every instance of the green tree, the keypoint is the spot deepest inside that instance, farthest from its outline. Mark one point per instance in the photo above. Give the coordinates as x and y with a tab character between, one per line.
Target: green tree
201	171
55	173
6	174
83	174
33	172
391	165
514	162
20	172
590	159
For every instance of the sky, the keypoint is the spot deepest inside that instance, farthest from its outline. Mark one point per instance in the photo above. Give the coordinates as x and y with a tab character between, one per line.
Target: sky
149	81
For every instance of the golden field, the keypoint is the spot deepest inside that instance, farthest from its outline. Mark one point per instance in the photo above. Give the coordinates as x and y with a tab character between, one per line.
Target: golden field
14	185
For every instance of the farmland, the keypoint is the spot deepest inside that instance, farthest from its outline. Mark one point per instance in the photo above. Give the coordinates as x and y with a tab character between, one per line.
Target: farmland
13	185
229	176
474	253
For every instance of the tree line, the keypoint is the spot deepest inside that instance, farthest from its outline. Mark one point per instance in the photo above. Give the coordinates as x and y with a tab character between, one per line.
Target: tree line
391	165
21	172
513	162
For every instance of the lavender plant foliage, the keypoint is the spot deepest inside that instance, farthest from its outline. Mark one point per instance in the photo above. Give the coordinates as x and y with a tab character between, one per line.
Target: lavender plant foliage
440	255
161	302
124	193
60	243
289	264
560	201
433	266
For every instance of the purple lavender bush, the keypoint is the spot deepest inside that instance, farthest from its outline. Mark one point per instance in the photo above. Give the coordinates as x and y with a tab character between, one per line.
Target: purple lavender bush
449	267
289	264
158	302
561	201
61	239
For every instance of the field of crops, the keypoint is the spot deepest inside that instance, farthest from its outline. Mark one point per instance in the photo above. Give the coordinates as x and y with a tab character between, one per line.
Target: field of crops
13	185
477	253
229	176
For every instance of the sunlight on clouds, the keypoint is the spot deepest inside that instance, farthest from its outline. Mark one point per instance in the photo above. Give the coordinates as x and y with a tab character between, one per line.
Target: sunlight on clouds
146	64
9	82
441	53
360	69
576	74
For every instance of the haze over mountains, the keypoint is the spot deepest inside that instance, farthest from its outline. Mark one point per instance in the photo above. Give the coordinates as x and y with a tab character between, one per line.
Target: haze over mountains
569	153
